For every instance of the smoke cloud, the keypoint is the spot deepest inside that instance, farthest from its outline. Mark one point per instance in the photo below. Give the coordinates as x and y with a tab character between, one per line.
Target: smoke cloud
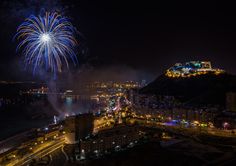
16	9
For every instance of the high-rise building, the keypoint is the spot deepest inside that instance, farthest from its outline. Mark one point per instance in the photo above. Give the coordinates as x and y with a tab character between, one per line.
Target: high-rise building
78	127
231	101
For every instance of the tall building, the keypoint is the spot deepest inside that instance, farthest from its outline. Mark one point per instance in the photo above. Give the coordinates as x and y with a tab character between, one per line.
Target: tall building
231	101
78	127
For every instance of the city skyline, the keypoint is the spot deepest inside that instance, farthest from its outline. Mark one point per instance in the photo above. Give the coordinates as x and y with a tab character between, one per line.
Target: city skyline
117	83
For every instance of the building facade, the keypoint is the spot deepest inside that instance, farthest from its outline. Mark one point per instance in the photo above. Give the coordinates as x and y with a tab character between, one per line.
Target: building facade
78	127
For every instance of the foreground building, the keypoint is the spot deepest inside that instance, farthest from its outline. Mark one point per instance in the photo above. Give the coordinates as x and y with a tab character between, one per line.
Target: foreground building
226	120
111	139
231	101
78	127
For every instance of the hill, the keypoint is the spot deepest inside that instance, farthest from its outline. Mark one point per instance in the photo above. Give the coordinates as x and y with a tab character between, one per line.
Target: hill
201	89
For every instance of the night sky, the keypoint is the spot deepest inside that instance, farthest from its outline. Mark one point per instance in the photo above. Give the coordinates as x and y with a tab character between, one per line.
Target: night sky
149	37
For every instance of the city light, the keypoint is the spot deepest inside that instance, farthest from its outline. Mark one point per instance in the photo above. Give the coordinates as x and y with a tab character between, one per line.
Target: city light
191	69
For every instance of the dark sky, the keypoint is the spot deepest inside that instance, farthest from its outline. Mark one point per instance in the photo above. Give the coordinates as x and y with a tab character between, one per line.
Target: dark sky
144	36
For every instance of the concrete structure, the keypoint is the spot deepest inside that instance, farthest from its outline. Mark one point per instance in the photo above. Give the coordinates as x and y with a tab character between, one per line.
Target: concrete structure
111	139
226	120
231	101
78	127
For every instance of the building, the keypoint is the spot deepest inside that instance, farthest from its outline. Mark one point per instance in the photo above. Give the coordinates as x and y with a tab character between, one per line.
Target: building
231	101
192	68
226	120
78	127
110	139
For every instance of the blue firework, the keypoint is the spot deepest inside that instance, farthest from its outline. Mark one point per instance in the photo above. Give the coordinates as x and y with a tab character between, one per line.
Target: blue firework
47	41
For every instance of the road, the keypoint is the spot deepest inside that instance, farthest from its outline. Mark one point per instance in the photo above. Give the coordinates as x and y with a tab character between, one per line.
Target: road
187	130
45	149
13	141
58	157
44	152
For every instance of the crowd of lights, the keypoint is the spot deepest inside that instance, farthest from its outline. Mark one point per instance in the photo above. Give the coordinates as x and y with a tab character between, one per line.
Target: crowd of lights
191	69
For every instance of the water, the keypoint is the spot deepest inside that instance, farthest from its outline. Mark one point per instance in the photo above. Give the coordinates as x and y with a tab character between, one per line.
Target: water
16	123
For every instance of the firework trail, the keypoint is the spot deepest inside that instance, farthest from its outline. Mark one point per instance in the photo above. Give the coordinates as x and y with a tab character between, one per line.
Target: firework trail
47	41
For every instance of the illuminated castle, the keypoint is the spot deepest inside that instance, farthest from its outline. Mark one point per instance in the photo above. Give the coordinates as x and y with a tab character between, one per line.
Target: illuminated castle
192	68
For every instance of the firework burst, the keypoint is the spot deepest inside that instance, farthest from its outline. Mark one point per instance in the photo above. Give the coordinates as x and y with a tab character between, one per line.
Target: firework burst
47	41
